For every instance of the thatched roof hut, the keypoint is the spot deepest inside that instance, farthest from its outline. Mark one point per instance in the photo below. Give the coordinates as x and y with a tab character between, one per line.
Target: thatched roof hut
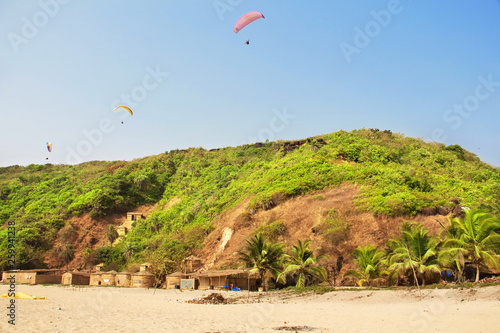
123	279
192	264
222	279
108	278
143	279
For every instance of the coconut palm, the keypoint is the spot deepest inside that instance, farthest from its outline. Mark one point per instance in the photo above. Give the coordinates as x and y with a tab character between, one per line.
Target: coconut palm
303	265
476	238
370	265
414	253
263	257
111	234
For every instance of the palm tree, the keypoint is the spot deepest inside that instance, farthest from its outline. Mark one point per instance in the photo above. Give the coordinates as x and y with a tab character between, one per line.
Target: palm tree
262	256
303	265
414	252
111	234
476	238
370	265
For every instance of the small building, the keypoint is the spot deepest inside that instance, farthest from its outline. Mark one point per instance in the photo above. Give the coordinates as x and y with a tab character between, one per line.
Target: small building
123	279
173	281
146	267
121	230
189	284
35	276
95	278
76	278
98	267
134	216
215	279
192	264
142	279
108	278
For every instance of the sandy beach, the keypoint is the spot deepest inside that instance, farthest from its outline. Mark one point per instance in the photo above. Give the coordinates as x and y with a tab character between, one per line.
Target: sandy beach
112	309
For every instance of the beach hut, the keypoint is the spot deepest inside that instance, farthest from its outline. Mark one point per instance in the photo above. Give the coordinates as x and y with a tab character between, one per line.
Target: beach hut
108	278
146	267
35	276
223	279
191	264
98	267
142	279
174	279
76	278
96	278
123	279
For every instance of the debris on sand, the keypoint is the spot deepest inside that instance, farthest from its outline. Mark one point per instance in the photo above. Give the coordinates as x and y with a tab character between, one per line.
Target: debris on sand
295	328
213	298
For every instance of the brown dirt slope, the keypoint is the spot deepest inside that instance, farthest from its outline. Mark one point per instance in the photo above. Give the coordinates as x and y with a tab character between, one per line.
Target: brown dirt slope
88	233
305	218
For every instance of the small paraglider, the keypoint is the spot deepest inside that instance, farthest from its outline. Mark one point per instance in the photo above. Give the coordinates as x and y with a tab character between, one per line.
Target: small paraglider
126	108
246	20
49	148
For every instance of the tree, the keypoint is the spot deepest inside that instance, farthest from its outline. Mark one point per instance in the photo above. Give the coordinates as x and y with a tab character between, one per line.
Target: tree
303	265
475	238
414	253
111	234
67	254
370	265
262	256
89	257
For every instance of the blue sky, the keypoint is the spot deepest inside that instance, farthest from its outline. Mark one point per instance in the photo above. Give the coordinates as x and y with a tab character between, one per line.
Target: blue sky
427	69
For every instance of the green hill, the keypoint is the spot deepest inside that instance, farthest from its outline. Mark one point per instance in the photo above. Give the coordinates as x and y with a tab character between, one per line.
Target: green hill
396	176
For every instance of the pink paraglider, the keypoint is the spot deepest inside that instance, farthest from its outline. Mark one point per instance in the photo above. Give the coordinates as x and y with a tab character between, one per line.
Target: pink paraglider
246	19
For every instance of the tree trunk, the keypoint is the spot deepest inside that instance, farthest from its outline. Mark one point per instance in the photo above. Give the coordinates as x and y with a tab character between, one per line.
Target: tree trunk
477	273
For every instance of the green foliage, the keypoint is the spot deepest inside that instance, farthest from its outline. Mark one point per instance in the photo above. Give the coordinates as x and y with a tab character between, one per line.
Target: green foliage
263	257
273	230
370	266
414	254
303	265
475	238
396	176
333	228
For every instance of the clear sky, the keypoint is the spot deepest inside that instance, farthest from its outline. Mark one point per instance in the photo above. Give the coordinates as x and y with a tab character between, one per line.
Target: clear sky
427	69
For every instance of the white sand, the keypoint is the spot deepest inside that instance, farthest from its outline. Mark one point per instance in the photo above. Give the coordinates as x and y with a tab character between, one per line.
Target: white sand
111	309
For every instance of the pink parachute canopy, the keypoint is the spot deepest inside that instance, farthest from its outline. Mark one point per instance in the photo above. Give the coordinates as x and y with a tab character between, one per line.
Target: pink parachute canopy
246	19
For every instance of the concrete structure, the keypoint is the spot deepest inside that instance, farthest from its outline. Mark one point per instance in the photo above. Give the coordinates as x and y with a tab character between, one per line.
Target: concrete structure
108	278
142	279
134	216
95	278
191	264
174	279
35	276
146	267
123	279
76	278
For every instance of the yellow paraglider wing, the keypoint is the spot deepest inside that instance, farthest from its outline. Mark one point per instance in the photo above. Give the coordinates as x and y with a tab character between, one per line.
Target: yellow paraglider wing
126	108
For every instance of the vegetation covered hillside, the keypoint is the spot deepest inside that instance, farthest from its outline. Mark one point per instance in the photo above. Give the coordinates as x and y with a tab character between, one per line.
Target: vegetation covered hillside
192	189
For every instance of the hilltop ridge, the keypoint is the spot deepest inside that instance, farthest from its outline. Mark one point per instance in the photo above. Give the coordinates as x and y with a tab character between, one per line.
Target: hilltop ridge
341	189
